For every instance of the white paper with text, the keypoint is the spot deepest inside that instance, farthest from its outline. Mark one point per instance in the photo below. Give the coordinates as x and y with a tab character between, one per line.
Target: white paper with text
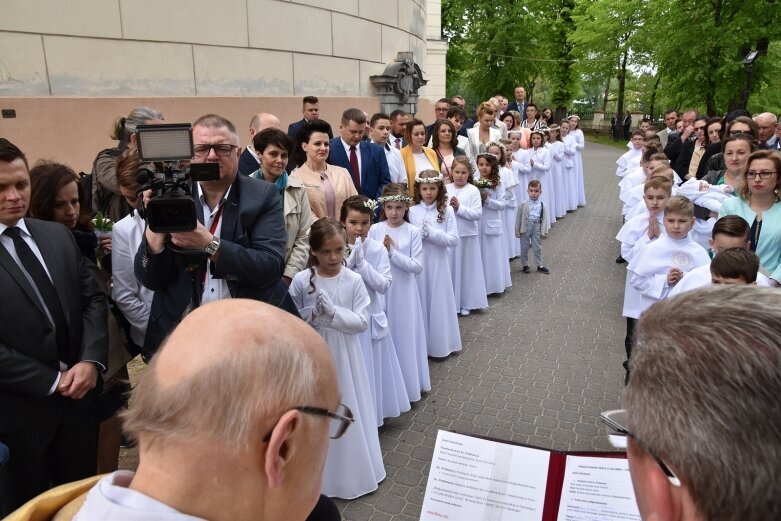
472	479
597	489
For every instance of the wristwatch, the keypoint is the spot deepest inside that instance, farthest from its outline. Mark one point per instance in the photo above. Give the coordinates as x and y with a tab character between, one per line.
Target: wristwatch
213	246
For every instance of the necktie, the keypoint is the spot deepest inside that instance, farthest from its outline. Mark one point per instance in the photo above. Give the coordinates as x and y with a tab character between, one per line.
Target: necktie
46	289
398	143
355	169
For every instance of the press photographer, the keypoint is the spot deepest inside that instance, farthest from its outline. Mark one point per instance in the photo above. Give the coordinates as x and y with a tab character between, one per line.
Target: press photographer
240	232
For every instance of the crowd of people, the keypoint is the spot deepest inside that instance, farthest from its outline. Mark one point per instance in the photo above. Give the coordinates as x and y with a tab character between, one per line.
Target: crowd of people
378	238
712	188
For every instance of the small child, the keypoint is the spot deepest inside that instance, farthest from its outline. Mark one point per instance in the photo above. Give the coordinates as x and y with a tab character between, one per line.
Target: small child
520	165
634	235
637	207
631	157
540	161
335	302
404	310
658	267
531	226
496	269
730	231
509	180
556	147
369	259
734	266
437	224
570	154
467	263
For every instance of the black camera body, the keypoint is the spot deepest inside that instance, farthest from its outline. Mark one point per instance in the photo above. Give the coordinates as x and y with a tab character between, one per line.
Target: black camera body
171	208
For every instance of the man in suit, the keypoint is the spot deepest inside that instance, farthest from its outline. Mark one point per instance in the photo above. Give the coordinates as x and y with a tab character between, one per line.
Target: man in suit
670	116
459	101
398	120
519	103
380	131
365	161
53	344
248	161
240	234
310	111
675	140
766	122
440	112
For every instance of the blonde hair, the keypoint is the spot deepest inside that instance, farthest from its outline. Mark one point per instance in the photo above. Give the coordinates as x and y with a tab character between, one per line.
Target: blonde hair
680	205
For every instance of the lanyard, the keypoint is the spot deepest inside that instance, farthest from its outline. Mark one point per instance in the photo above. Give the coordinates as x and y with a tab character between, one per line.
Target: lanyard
212	229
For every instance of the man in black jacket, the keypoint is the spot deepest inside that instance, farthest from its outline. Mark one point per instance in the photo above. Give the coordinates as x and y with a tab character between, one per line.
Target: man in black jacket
53	345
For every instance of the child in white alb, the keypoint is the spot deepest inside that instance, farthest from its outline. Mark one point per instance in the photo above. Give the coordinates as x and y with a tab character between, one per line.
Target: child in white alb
437	224
369	259
531	226
467	262
496	269
335	302
405	312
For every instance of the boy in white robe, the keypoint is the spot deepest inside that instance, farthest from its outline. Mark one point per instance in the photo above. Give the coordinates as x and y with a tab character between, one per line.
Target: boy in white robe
660	265
631	159
636	234
731	231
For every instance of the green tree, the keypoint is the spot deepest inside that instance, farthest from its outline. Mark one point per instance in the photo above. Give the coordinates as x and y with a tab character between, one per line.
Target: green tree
699	47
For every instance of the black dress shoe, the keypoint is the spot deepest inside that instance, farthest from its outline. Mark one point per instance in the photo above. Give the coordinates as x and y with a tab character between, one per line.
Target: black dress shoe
620	260
526	269
543	269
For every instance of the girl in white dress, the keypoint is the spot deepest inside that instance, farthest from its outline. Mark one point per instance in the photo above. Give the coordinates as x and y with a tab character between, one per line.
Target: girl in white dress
509	180
335	302
404	310
437	224
540	160
520	165
369	259
491	227
556	147
467	263
515	246
580	143
570	181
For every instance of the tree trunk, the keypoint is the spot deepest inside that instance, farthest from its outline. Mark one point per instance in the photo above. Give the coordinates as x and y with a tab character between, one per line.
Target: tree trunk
653	98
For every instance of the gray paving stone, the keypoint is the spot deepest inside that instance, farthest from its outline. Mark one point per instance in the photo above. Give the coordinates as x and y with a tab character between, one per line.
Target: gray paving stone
537	367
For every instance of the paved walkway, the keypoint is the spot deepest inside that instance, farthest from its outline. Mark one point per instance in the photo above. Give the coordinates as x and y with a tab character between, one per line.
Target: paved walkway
537	367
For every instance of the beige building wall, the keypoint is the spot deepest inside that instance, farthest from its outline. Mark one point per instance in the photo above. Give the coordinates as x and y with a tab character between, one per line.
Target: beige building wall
82	63
436	53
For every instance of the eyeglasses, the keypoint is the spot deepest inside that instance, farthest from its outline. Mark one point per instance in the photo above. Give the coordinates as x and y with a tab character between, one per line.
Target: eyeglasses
338	421
699	128
222	149
764	174
616	420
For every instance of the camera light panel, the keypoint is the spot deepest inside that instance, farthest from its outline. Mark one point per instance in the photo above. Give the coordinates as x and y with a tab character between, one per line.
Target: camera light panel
167	142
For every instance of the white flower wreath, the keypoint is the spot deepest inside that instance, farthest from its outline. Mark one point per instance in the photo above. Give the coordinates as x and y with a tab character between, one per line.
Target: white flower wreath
371	204
403	198
436	179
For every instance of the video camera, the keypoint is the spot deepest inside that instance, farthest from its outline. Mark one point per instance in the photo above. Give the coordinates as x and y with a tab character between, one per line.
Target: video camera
163	148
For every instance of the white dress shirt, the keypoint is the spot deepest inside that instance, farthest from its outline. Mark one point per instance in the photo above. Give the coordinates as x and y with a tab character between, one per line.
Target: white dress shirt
213	289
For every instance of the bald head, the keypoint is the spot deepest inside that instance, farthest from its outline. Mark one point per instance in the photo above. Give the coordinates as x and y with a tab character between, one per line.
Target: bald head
262	121
225	372
766	122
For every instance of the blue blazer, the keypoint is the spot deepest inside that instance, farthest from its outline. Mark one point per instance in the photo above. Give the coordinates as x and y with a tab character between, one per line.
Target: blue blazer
374	167
247	163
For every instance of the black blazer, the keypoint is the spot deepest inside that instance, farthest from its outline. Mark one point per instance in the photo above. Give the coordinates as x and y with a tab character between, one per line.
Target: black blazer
29	360
374	166
247	163
251	259
293	128
522	108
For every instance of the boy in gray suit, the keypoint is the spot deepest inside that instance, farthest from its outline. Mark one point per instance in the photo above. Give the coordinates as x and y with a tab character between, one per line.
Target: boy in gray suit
531	225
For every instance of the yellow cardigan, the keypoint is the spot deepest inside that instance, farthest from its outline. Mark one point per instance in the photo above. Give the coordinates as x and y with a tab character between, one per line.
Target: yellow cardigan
409	164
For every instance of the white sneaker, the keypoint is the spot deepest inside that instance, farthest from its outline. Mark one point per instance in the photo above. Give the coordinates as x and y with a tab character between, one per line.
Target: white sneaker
464	312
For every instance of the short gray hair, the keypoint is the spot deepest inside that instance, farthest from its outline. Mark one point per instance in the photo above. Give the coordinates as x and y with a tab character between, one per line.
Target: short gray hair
224	402
704	394
125	126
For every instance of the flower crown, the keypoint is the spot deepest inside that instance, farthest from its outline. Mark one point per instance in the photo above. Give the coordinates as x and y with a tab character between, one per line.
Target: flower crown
436	179
371	204
495	144
402	198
